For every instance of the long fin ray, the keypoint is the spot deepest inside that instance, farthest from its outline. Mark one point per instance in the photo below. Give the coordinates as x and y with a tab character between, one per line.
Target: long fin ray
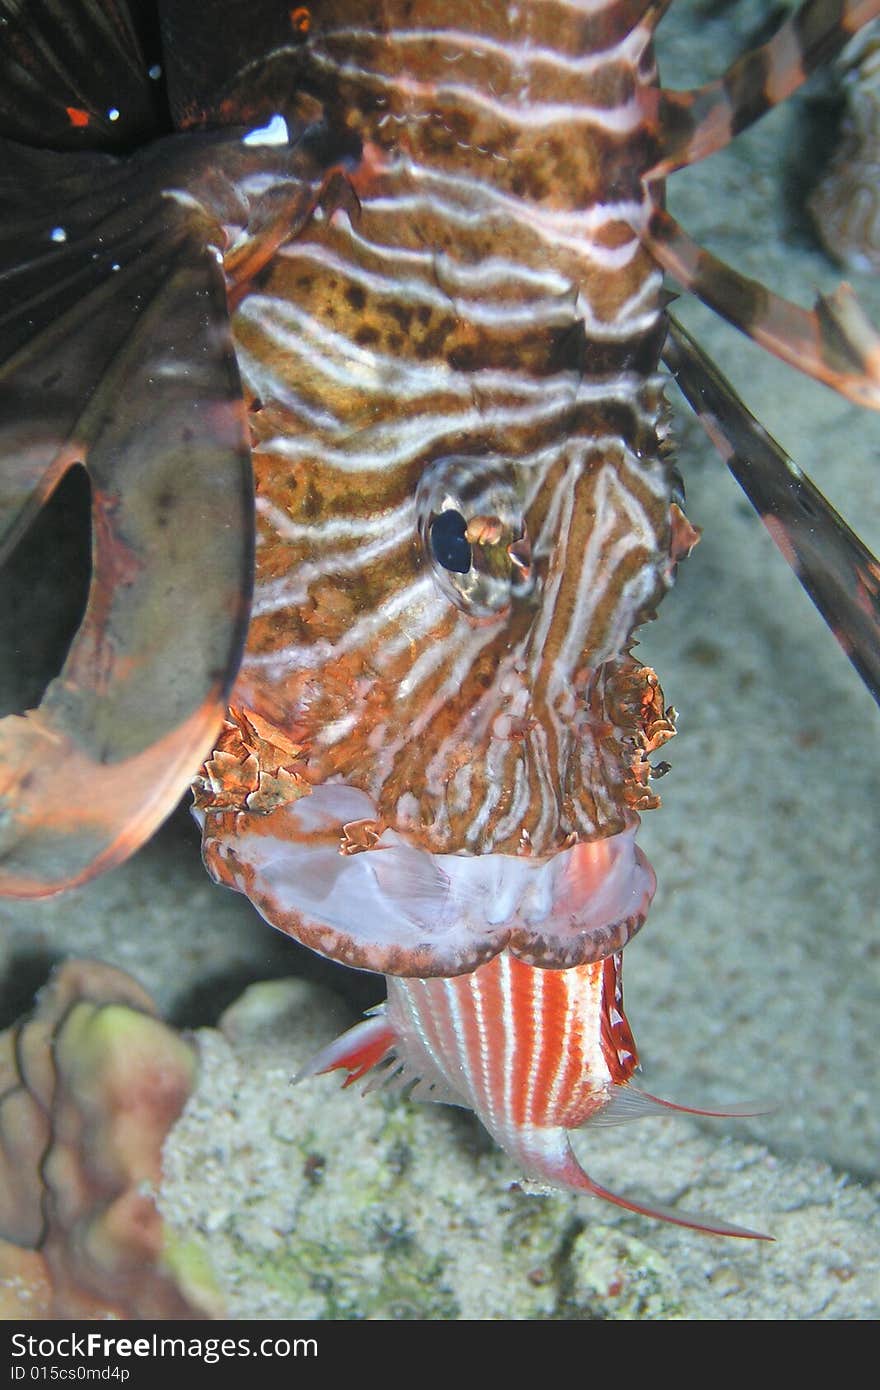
629	1103
836	569
568	1172
834	343
146	395
695	124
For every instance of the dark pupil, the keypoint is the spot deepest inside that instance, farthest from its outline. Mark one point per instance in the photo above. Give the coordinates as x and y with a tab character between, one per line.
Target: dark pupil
448	543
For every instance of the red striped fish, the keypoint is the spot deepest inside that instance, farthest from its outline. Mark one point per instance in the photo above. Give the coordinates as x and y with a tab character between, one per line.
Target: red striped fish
535	1053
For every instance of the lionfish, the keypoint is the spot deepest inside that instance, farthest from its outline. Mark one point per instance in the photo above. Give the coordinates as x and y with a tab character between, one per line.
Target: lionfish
405	260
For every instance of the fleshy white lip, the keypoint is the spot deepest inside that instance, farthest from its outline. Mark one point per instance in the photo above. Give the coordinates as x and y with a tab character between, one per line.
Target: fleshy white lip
401	910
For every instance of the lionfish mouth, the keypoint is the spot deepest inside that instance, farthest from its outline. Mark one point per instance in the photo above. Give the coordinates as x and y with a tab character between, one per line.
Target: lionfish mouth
400	910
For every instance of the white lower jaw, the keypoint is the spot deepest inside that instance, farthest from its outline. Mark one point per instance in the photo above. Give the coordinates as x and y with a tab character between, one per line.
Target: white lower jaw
401	910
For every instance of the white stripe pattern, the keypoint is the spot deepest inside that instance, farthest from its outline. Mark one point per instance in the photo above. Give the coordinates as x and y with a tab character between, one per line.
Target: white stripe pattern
425	326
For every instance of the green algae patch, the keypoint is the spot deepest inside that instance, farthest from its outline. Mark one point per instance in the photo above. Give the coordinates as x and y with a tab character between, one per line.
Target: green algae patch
186	1261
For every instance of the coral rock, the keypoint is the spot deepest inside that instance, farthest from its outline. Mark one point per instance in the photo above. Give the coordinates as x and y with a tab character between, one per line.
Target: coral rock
90	1085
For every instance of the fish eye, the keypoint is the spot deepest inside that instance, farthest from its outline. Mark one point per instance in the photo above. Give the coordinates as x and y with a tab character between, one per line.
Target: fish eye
449	544
473	532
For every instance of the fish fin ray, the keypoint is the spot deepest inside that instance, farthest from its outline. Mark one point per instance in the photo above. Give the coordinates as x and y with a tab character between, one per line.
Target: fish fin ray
834	343
628	1103
659	1212
88	776
695	124
356	1051
63	74
835	568
562	1167
373	1046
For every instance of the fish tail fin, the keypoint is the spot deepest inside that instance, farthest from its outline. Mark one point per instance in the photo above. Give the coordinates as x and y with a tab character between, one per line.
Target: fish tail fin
552	1159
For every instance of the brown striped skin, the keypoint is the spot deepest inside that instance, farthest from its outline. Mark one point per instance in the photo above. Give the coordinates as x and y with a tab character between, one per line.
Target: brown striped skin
467	325
374	316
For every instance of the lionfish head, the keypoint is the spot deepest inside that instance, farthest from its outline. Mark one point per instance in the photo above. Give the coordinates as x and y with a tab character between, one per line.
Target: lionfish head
439	742
437	745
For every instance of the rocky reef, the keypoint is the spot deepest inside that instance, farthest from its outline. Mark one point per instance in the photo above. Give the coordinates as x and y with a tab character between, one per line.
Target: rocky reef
90	1084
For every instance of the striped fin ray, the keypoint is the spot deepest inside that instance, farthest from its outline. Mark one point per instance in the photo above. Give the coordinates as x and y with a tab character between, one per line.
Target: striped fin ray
834	343
374	1047
839	573
697	123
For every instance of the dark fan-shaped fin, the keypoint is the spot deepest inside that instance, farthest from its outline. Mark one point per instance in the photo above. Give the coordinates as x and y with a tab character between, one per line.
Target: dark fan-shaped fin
81	74
115	352
839	573
122	244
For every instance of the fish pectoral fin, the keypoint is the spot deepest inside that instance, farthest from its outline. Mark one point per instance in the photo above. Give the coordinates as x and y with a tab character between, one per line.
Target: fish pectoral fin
116	354
838	572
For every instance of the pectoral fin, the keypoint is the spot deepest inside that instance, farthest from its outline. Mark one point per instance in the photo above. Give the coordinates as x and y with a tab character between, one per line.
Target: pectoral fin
115	353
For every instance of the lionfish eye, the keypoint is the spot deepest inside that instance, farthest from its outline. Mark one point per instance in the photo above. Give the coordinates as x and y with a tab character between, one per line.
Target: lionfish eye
449	543
470	519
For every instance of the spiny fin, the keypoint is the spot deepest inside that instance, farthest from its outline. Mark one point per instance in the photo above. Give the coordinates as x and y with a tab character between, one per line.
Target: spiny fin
77	77
373	1045
697	123
357	1051
116	353
834	343
111	74
838	572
